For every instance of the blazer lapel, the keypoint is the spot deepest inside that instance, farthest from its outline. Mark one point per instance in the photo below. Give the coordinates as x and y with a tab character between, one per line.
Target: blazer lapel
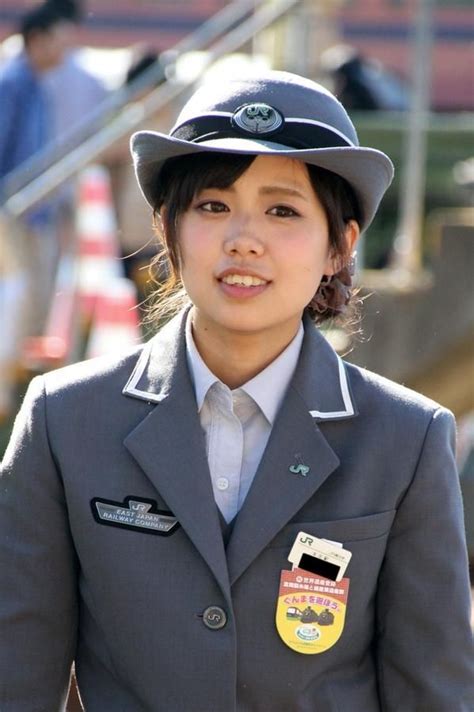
298	458
169	444
277	492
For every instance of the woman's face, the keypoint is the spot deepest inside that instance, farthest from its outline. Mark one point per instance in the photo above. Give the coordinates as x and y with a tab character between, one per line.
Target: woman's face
253	254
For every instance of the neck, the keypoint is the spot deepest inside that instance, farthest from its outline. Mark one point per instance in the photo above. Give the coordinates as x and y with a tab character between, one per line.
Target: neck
35	61
235	358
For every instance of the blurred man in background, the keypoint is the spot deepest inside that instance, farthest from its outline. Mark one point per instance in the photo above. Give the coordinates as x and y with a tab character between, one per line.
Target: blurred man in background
75	97
28	246
75	94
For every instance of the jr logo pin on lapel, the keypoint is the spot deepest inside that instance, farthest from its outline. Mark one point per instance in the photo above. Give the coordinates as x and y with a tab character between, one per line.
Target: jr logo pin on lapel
298	468
136	514
312	598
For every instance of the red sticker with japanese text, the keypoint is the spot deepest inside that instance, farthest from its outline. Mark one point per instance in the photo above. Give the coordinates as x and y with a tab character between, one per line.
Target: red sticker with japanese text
311	611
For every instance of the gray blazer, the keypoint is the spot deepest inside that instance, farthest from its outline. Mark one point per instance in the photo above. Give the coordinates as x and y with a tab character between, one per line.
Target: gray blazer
125	599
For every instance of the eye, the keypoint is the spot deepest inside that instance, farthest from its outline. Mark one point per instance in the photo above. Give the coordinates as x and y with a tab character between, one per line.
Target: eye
283	211
212	206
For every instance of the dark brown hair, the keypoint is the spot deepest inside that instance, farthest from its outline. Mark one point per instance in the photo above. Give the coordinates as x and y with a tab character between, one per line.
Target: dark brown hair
184	177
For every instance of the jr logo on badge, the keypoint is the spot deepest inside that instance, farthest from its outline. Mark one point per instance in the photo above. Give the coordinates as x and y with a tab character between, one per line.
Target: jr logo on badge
134	513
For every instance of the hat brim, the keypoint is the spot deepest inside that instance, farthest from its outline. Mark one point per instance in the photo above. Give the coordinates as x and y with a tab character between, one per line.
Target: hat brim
367	170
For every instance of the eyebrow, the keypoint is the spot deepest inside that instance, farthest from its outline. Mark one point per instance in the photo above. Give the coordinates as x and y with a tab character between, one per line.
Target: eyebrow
281	189
268	190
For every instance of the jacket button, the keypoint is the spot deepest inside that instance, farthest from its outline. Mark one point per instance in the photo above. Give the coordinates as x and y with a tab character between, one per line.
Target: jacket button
214	618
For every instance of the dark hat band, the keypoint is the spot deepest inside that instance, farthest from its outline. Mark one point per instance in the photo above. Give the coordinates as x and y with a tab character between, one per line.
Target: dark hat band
293	133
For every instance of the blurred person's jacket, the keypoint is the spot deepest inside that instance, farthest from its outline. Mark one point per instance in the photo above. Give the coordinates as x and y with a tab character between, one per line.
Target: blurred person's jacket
26	127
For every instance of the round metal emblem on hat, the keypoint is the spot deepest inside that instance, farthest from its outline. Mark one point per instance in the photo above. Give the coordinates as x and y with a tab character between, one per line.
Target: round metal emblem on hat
257	118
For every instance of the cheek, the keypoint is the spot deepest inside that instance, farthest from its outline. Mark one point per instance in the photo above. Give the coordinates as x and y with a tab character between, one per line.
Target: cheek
185	242
196	257
190	253
310	255
318	263
190	237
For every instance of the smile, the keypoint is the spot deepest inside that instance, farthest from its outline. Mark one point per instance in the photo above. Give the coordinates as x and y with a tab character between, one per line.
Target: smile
243	280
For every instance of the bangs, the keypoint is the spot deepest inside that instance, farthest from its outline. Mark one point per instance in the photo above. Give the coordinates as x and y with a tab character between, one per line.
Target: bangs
182	178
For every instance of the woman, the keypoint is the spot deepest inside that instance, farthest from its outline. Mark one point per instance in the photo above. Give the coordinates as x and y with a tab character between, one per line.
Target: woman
168	515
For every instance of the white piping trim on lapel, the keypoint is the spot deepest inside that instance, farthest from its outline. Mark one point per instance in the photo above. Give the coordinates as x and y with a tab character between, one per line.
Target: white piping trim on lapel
346	397
130	387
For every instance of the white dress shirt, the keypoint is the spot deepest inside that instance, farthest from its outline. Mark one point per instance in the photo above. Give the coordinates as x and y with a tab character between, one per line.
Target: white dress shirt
237	423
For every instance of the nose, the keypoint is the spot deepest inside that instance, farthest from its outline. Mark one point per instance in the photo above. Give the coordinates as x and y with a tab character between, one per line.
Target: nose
244	239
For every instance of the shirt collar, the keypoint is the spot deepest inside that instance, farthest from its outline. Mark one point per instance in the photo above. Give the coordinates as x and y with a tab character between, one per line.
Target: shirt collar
267	388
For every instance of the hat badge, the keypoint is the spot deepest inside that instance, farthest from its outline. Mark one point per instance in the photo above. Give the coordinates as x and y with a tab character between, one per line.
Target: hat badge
257	118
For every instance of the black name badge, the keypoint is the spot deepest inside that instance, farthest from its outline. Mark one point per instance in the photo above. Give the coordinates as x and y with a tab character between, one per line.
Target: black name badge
136	514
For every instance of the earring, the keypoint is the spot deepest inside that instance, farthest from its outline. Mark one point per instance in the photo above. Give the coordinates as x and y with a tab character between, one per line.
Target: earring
351	265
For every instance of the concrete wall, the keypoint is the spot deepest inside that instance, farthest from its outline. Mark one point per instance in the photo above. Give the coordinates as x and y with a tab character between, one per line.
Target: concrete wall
423	334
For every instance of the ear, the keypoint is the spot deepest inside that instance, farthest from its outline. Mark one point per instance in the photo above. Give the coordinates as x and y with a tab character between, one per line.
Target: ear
352	234
335	262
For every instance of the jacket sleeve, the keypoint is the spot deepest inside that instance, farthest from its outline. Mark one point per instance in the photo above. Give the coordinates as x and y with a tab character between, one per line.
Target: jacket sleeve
38	608
425	653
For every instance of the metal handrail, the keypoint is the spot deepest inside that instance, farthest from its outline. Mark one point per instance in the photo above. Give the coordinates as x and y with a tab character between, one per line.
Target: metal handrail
132	115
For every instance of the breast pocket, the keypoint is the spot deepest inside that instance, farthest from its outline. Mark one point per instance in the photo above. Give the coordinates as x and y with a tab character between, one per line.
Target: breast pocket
344	531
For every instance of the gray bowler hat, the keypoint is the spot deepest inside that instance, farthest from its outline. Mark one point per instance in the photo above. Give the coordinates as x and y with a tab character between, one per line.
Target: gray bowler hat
275	113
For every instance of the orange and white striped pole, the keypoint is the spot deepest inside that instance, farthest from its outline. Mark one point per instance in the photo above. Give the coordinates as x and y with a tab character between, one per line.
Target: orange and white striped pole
115	324
96	228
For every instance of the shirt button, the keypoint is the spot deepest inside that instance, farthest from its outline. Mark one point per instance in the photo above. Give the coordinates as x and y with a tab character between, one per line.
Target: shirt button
214	618
222	483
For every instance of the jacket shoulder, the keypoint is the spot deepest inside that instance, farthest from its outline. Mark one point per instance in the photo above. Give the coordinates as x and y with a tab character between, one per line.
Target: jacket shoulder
105	371
376	393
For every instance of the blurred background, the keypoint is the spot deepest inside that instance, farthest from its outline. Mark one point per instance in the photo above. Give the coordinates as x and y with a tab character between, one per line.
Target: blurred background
78	77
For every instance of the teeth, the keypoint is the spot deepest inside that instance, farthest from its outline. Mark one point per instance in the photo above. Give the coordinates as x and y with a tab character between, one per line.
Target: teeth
244	280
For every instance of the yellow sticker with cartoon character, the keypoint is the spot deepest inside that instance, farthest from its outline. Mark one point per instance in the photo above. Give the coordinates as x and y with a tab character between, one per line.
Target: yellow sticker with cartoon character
311	611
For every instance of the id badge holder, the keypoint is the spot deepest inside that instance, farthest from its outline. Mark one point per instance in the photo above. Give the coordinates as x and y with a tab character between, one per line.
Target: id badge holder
312	598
